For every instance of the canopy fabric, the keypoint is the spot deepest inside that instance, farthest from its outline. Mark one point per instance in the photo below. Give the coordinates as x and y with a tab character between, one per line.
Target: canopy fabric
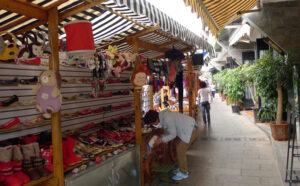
166	23
218	13
110	28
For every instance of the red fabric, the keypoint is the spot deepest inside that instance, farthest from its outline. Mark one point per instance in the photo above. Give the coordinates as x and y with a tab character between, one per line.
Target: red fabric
172	73
144	68
79	36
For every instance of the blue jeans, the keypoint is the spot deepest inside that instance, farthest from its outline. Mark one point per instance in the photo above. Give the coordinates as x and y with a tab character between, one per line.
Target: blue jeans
205	107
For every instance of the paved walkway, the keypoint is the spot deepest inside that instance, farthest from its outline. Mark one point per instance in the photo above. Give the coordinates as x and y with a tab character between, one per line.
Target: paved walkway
231	152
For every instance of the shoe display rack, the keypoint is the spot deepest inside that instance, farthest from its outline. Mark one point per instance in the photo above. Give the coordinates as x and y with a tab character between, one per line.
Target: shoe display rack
76	100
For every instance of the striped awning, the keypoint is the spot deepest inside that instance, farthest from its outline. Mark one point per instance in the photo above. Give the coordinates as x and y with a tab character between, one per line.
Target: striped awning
218	13
109	27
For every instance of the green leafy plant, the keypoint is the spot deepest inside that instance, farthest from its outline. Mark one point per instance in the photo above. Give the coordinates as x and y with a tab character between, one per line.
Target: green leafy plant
218	79
235	86
248	76
273	73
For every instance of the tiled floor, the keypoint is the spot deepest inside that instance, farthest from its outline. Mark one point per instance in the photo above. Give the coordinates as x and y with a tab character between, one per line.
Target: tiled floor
232	151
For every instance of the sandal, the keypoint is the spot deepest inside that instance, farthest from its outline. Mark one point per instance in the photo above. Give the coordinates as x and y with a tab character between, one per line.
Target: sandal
13	82
31	81
35	121
28	102
70	115
11	101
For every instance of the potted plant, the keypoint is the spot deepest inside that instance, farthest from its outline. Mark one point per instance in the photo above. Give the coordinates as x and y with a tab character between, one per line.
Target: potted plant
248	76
218	79
273	74
235	88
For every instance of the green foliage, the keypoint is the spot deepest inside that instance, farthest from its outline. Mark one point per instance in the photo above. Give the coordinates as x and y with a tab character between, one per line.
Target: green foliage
267	71
217	78
234	85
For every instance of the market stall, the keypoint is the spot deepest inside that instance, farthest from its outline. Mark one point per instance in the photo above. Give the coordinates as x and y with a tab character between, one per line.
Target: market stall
96	112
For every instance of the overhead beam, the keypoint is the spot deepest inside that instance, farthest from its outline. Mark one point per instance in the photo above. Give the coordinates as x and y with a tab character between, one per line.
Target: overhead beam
24	9
144	32
28	3
146	45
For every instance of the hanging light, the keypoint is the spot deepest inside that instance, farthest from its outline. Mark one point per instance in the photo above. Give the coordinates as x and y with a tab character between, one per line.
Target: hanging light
80	40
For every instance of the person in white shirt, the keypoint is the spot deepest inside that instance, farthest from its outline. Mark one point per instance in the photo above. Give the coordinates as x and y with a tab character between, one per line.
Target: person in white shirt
203	98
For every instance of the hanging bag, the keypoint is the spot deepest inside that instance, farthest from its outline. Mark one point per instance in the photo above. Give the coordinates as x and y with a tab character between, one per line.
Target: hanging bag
10	50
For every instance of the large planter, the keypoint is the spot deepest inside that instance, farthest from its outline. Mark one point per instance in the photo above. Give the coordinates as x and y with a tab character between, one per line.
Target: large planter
241	106
280	132
235	108
223	97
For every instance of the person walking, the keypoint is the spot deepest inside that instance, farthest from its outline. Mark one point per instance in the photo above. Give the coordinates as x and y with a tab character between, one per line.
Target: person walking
176	125
204	99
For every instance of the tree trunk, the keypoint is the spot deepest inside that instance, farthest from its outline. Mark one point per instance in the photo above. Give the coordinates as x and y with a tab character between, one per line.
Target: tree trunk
279	104
252	96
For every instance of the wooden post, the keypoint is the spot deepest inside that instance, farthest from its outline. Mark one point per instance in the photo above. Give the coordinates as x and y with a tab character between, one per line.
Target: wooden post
55	119
138	114
190	76
151	92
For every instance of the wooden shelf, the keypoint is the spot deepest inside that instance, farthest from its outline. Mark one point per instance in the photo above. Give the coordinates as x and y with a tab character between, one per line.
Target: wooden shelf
41	180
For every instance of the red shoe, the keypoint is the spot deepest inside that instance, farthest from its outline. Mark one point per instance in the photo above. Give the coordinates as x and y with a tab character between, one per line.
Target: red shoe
100	109
6	168
88	126
100	95
17	165
117	107
31	138
85	112
110	81
109	121
2	179
68	155
15	123
117	81
24	177
93	96
13	180
32	61
107	95
127	105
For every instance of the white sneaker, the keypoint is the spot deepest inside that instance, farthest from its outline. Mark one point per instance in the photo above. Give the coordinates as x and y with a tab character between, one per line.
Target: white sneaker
180	176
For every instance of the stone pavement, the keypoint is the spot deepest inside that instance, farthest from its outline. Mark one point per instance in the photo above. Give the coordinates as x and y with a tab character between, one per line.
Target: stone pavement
230	152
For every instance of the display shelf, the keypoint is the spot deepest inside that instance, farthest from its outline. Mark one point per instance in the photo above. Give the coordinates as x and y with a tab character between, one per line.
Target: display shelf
70	168
39	181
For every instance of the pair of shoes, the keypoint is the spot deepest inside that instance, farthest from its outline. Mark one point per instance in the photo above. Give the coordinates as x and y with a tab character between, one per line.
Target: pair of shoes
35	121
31	81
70	98
98	110
31	61
125	81
70	115
180	176
88	126
84	96
13	82
105	95
107	108
85	112
13	124
28	102
11	101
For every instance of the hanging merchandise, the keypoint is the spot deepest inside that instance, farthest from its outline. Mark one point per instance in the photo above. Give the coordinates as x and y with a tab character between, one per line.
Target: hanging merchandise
80	40
114	65
48	96
172	73
30	54
139	79
130	59
174	55
10	50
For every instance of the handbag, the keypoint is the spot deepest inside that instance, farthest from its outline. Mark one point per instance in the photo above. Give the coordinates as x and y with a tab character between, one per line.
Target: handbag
10	50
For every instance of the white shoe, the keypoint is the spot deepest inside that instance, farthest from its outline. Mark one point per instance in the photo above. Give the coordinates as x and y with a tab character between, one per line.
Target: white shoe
180	176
